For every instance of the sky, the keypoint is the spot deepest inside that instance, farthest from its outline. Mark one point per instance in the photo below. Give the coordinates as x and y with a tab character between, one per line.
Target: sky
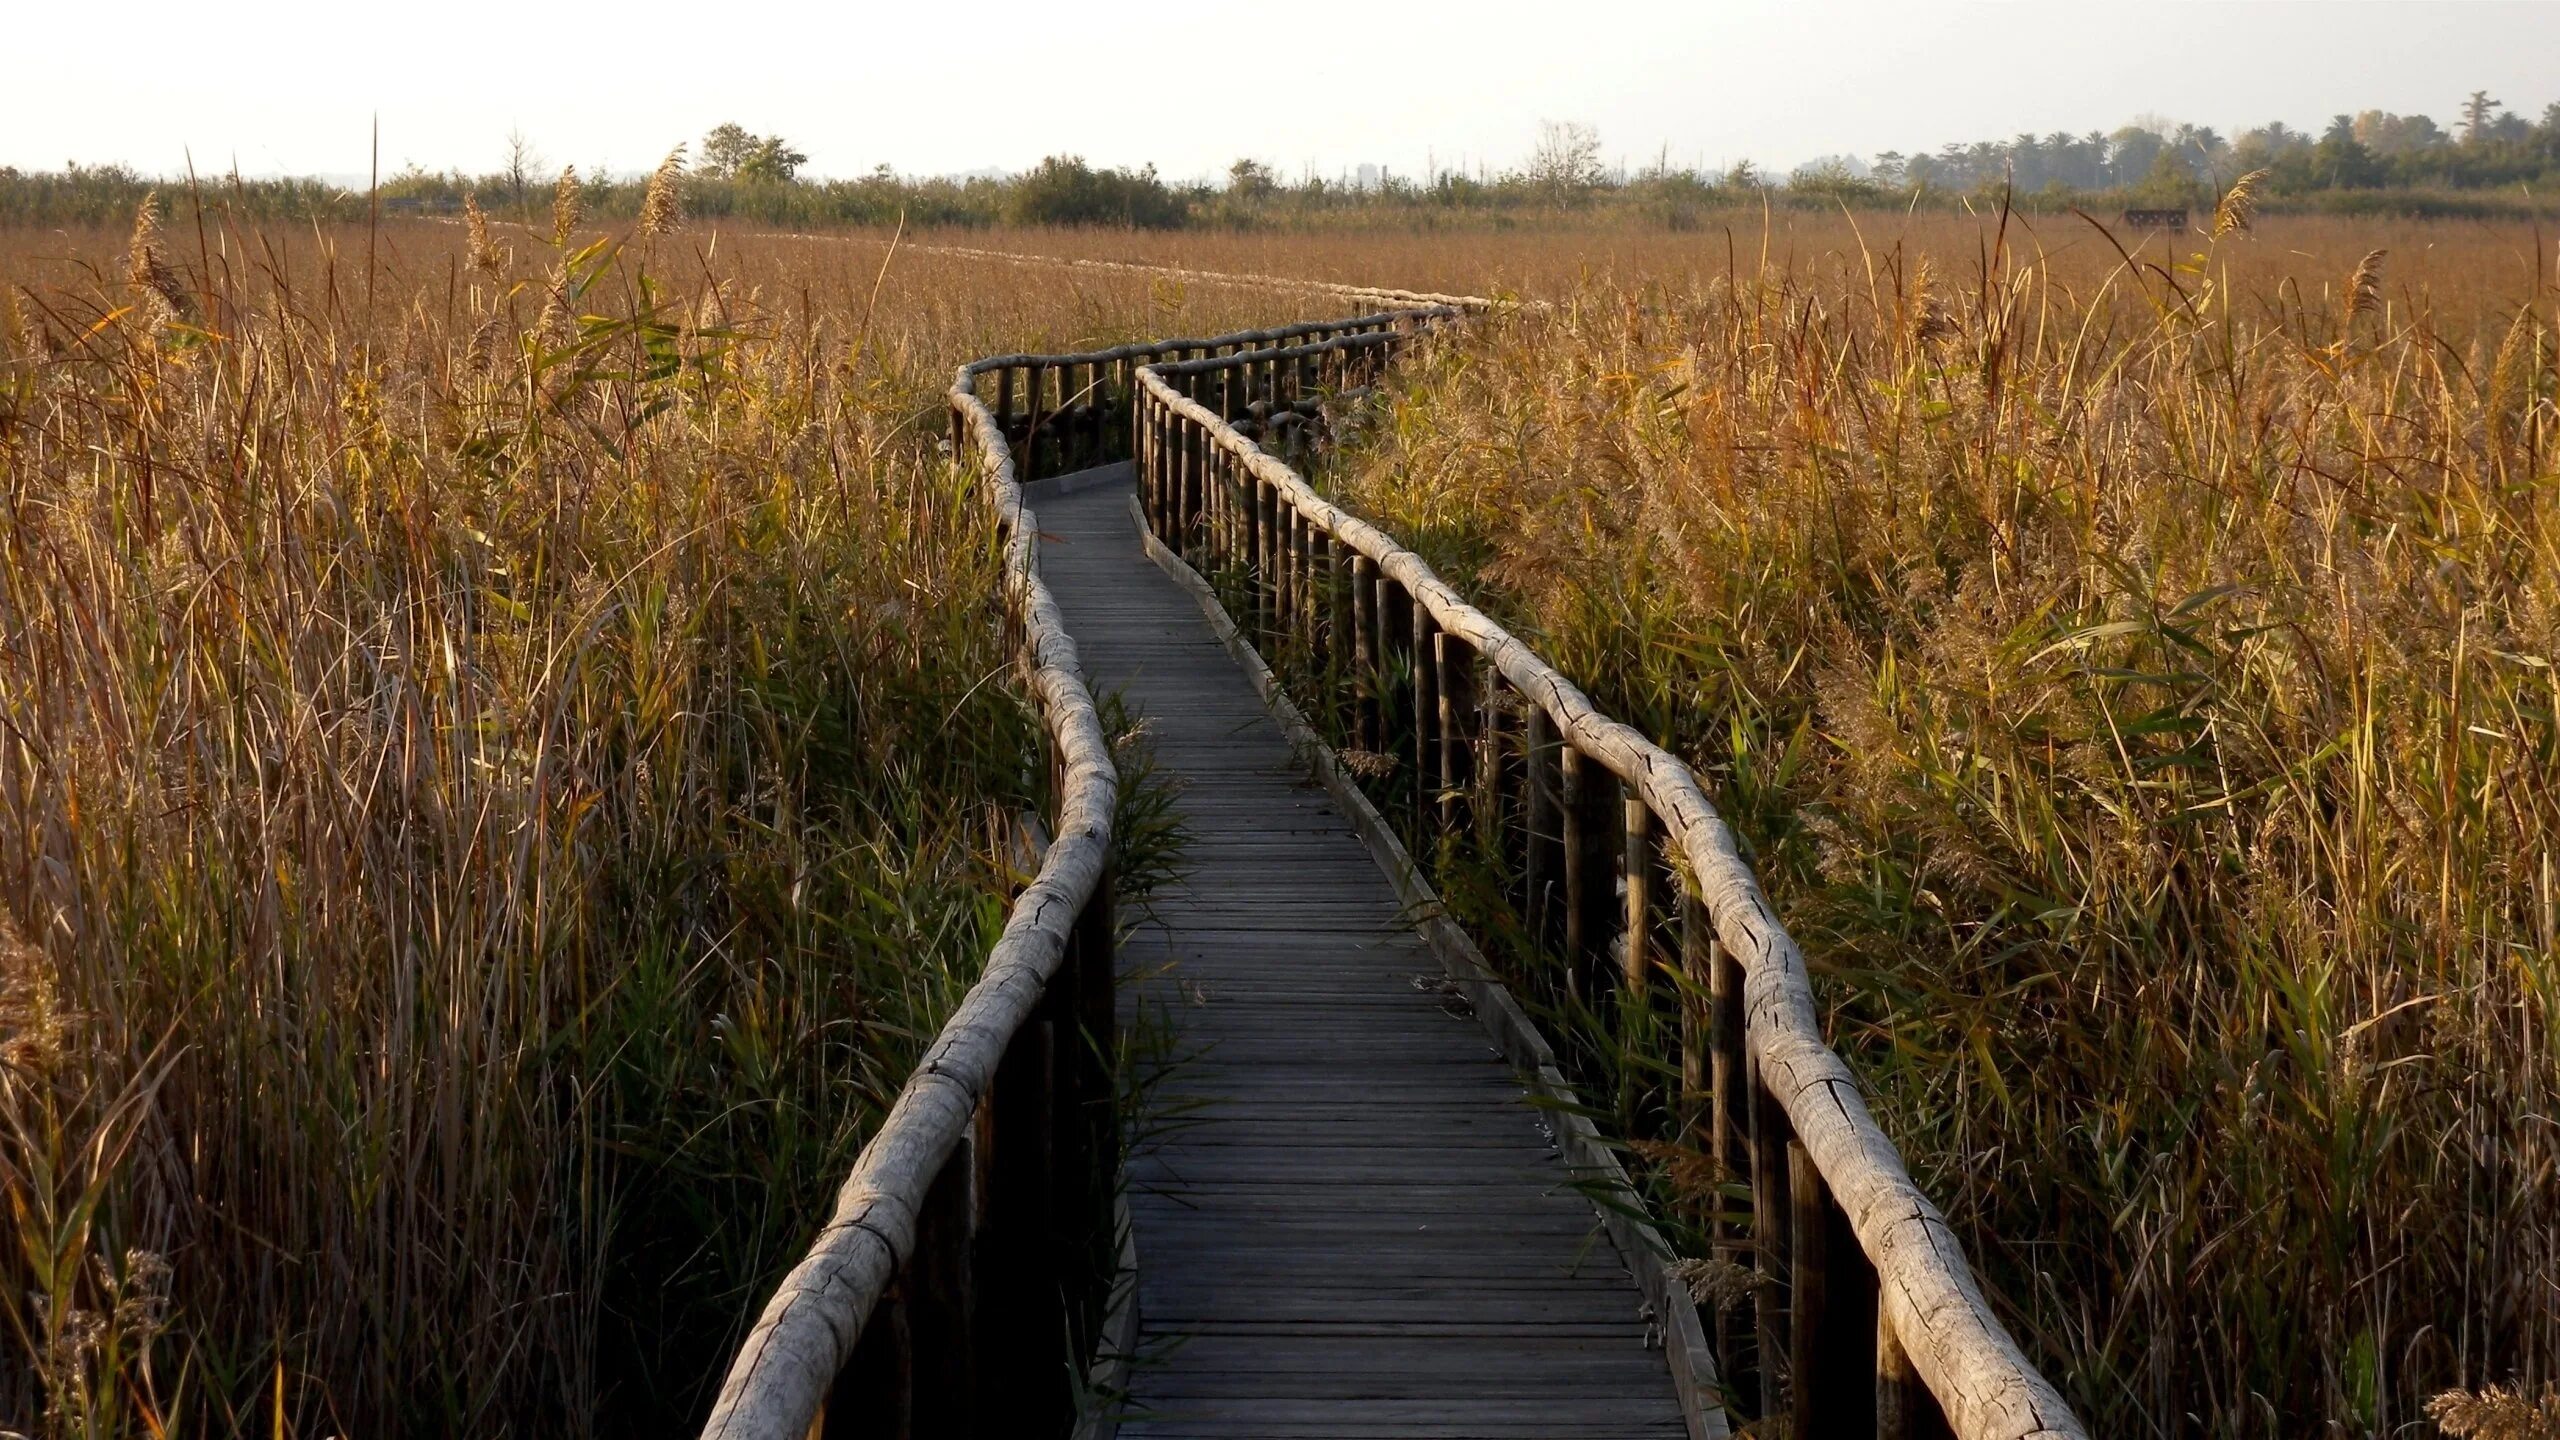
296	87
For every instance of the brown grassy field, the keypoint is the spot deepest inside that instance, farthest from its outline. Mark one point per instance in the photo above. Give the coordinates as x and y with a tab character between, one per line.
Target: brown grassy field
501	755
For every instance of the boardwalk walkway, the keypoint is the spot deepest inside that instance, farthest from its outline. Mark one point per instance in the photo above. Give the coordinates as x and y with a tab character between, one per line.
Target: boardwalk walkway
1355	1226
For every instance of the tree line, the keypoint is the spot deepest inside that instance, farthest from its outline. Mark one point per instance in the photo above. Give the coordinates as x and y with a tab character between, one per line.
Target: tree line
2489	162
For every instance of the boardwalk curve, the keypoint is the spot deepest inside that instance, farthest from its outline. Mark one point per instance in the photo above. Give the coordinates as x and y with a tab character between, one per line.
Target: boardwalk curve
950	1292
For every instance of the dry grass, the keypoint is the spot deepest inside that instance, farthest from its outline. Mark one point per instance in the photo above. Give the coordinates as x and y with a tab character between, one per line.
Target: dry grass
503	752
2137	684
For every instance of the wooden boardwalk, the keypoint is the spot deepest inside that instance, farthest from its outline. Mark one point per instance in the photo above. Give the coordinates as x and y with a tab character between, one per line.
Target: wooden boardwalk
1349	1221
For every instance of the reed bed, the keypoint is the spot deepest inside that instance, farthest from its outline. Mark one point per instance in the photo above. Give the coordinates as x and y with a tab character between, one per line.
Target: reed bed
505	754
2135	682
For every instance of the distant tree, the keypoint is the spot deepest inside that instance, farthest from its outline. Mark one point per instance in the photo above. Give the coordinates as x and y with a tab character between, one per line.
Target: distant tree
1064	190
2479	113
523	163
1891	167
1567	161
2341	159
728	146
772	160
733	152
1251	179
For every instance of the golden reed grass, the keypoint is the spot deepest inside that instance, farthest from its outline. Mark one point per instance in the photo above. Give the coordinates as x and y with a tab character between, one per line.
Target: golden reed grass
2138	677
503	754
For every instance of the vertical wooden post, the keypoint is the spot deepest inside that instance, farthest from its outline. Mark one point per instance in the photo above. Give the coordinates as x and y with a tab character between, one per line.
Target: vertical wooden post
1021	1318
942	1314
1770	1214
1426	716
1730	1125
1636	961
1366	664
1905	1410
1635	955
1455	662
1494	726
1395	633
1543	824
1035	385
1591	826
1697	1018
874	1394
1832	1312
1004	409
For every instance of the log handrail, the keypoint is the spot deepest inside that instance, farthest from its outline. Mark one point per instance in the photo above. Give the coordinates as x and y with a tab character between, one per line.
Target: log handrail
921	1183
1834	1207
778	1385
1936	1320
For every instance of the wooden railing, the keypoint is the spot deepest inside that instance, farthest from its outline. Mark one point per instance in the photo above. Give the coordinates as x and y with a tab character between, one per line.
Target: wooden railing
973	1236
1620	869
1060	413
938	1298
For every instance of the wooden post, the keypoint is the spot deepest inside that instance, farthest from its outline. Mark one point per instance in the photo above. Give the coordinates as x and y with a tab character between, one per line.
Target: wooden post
1730	1124
1494	776
1366	664
1395	633
1035	383
1004	411
874	1394
1543	827
1832	1312
942	1313
1021	1319
1636	962
1591	823
1455	662
1905	1410
1426	716
1770	1214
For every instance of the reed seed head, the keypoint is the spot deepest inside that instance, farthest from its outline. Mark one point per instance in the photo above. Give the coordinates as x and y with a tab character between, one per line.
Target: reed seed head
662	209
2238	204
485	256
568	206
2364	287
147	270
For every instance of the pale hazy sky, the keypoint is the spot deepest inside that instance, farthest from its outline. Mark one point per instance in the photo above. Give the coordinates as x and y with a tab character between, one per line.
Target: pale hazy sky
293	85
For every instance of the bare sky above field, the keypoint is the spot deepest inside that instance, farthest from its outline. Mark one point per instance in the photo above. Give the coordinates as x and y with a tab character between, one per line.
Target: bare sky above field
292	86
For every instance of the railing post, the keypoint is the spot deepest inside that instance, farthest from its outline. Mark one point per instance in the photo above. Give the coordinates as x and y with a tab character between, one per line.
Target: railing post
1730	1125
942	1315
1195	492
1542	866
1366	664
1265	552
874	1394
1035	384
1494	784
1591	823
1831	1312
1770	1214
1905	1410
1395	633
1426	715
1020	1316
1455	662
1635	958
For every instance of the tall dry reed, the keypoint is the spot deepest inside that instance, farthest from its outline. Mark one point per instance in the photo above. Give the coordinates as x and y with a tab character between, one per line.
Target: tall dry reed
2138	689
